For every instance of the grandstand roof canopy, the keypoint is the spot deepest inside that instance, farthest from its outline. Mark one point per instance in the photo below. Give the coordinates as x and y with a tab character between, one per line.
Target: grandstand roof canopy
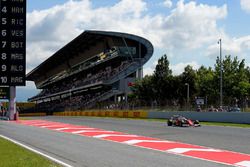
80	44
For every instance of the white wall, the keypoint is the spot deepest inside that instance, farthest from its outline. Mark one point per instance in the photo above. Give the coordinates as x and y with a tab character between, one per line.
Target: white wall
205	116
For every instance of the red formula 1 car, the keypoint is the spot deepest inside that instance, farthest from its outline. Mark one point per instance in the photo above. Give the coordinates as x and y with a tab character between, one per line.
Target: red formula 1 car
181	121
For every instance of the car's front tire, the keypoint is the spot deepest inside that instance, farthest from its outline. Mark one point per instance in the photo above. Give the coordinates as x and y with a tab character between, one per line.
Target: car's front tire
170	123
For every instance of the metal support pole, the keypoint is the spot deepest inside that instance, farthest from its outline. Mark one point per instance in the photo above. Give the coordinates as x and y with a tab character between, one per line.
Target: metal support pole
70	94
115	98
140	69
12	103
124	41
221	91
187	93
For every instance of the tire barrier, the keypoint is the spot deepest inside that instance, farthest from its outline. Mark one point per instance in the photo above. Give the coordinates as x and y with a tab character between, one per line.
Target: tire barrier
105	113
32	114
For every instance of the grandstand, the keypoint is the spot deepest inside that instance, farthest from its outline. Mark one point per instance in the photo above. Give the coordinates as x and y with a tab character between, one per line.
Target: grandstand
96	67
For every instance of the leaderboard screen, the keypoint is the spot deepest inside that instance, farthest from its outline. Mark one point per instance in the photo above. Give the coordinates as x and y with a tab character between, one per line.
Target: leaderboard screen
13	42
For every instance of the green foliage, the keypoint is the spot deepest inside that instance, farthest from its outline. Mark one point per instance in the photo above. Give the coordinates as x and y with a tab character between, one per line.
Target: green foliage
160	79
162	69
144	90
206	84
165	89
13	155
189	76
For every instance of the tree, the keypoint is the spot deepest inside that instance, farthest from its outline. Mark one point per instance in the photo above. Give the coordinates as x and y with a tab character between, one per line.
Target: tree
235	79
162	69
165	88
144	90
189	77
162	80
205	84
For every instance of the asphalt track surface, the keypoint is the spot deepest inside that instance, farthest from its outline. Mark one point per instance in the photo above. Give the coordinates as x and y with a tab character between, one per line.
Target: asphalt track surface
90	152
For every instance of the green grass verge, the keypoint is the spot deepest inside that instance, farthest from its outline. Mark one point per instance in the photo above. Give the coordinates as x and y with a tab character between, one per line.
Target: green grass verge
165	120
25	118
14	155
202	123
226	124
211	123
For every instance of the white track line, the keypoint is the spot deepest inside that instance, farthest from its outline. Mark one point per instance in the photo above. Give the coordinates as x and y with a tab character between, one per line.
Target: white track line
72	128
114	135
50	126
243	164
134	141
36	151
184	150
84	131
38	124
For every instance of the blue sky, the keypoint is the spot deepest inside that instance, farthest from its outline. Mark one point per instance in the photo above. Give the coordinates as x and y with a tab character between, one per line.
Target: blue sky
187	31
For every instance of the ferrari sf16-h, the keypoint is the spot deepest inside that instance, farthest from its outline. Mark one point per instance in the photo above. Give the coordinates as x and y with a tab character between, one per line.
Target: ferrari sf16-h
181	121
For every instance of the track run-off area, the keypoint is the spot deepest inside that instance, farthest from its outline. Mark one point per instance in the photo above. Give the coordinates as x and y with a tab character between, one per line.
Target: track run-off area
107	142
